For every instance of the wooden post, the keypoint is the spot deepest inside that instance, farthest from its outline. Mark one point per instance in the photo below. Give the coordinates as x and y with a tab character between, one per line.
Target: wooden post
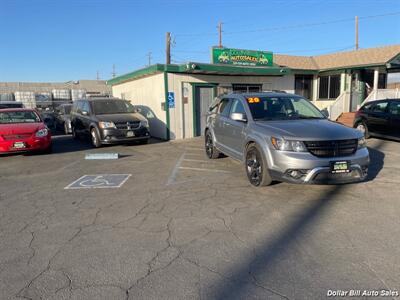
356	32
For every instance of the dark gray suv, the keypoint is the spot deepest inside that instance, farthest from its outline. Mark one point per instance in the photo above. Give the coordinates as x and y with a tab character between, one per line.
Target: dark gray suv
108	121
284	137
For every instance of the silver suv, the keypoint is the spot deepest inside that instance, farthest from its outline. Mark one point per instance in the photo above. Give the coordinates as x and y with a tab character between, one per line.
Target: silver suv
283	137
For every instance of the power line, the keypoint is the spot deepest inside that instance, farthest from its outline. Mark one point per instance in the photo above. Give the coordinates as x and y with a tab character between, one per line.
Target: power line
288	27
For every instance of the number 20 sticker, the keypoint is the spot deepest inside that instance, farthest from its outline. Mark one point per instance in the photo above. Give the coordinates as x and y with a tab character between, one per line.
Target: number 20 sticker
253	100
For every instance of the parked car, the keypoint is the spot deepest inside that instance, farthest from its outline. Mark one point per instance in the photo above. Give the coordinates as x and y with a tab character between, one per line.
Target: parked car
284	137
23	130
10	104
108	121
380	118
49	118
63	118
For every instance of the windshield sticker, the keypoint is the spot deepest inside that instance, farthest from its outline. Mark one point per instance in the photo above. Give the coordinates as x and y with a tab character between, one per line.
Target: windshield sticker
253	100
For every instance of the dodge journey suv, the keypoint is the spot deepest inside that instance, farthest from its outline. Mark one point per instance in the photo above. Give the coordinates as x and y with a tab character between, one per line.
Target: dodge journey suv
108	121
283	137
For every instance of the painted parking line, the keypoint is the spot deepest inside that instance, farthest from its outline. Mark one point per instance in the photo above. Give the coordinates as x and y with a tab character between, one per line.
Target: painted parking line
99	181
172	177
203	169
196	160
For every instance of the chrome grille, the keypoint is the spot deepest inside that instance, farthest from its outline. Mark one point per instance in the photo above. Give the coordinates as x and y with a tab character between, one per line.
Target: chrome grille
332	148
127	125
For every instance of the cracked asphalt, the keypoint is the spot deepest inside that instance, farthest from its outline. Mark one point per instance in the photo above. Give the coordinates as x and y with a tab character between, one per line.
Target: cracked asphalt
184	227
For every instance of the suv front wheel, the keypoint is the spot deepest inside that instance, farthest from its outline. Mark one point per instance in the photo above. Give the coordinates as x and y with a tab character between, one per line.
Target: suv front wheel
95	138
211	151
256	167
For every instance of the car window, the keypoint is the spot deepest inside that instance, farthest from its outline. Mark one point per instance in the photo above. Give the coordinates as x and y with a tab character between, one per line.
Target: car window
224	107
394	108
85	106
78	107
112	106
367	107
379	107
282	108
237	107
12	117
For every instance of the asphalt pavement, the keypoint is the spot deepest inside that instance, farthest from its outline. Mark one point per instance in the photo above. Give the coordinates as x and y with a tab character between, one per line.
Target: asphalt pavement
175	225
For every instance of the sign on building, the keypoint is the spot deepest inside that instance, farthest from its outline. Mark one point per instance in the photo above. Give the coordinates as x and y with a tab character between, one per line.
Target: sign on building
241	57
171	99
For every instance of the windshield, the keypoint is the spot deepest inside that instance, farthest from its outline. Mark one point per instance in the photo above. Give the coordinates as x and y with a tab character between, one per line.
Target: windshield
67	109
282	108
102	107
10	117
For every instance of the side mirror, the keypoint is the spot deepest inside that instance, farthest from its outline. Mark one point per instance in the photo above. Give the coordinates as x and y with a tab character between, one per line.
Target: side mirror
85	113
239	117
325	112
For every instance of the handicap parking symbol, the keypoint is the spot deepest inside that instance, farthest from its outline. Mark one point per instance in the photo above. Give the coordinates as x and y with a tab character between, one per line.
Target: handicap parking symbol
99	181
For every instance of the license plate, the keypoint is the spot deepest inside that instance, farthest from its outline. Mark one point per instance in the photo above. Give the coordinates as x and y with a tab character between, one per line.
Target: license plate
130	134
340	167
19	145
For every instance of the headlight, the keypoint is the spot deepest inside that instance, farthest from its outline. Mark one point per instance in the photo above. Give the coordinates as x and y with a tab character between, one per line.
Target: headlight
362	143
42	132
106	125
288	145
144	123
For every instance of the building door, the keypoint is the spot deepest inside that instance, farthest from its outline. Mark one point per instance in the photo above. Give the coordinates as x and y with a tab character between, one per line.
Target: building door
303	85
204	96
356	86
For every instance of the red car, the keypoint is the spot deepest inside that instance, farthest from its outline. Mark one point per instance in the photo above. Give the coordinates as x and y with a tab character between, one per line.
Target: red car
23	130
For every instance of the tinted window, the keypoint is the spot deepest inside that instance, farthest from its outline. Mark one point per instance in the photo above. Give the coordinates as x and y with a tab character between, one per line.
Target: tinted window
366	107
224	107
67	109
394	108
112	106
379	107
85	106
237	107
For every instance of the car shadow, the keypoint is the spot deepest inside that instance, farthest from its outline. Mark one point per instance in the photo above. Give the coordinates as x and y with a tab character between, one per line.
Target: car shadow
252	269
66	144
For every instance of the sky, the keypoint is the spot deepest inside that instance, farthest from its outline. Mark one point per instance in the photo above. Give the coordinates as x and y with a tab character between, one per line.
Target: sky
62	40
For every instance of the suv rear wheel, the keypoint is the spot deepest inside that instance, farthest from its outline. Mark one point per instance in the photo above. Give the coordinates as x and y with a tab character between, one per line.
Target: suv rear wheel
211	151
95	138
256	167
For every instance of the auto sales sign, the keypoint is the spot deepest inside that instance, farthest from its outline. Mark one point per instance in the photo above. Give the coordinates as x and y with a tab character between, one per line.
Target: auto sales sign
241	57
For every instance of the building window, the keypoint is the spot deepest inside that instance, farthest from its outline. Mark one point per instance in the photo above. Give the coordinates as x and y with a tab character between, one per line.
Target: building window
303	85
329	87
247	88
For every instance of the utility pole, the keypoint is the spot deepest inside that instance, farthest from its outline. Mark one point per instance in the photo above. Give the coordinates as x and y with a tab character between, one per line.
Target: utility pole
220	34
97	75
356	32
168	48
149	56
113	74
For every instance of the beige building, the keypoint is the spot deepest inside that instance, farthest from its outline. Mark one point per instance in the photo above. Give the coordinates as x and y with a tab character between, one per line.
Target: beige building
175	98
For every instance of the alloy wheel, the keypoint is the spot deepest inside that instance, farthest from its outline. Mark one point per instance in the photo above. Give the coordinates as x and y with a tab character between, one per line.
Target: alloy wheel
209	146
254	167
